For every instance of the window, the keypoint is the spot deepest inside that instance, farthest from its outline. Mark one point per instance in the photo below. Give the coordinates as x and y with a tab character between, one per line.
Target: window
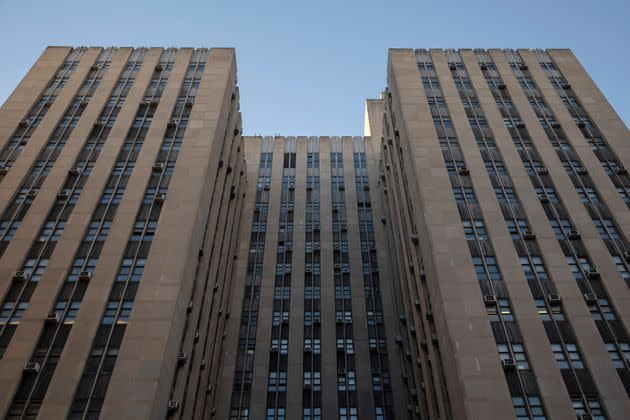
487	271
112	308
517	354
558	225
576	263
475	229
617	358
81	264
604	310
277	381
129	271
464	194
606	228
548	192
313	380
621	267
34	269
587	194
503	308
544	313
5	313
535	405
533	267
515	227
593	404
350	413
506	195
561	357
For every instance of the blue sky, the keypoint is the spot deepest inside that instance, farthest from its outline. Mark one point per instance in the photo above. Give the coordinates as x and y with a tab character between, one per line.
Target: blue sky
306	68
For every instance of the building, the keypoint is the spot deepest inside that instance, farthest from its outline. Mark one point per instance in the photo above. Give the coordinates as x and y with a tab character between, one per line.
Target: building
466	258
113	158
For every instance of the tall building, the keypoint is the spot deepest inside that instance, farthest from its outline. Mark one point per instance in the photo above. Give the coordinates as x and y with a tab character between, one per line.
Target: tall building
123	178
466	258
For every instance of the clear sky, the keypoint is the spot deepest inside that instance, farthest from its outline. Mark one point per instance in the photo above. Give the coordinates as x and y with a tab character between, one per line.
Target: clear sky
305	68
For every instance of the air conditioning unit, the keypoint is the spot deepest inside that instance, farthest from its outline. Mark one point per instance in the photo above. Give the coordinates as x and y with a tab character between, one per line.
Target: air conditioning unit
414	238
501	86
158	167
490	300
159	199
159	67
316	228
383	220
483	66
590	298
543	198
566	86
53	318
335	209
309	187
554	299
339	320
189	307
19	276
291	186
98	124
429	315
171	124
316	247
266	187
85	275
202	365
463	170
508	364
555	124
345	270
528	235
366	188
3	170
23	123
181	358
452	66
31	194
74	171
308	349
592	273
621	170
236	131
403	318
417	303
317	320
343	227
63	195
308	270
196	337
542	171
520	124
94	67
172	407
522	66
581	124
342	187
32	367
573	234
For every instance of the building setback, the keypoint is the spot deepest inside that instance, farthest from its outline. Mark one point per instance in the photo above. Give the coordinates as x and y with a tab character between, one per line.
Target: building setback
466	258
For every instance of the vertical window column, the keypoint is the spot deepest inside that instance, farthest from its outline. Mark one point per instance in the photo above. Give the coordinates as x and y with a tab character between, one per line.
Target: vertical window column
243	371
